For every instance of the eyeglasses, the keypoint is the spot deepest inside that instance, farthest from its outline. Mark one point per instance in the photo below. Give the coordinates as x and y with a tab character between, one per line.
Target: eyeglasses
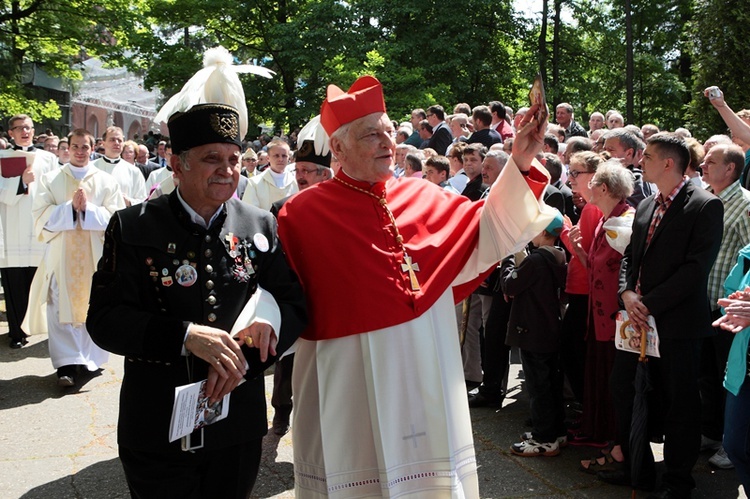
430	114
574	174
250	159
305	171
25	128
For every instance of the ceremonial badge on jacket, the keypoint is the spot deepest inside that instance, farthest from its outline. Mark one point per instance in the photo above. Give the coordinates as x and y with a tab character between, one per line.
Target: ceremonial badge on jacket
261	242
241	254
186	275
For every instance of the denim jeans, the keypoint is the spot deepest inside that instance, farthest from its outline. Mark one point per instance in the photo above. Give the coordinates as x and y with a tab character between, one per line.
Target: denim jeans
737	433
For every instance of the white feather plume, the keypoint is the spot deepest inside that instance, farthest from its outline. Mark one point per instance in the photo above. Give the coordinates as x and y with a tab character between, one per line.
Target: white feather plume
216	83
314	131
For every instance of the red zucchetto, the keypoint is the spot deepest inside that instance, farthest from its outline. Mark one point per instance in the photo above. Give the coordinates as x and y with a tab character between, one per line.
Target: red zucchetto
364	97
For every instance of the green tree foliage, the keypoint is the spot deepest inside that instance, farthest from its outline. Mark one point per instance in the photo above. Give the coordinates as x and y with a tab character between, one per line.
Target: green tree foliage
14	100
592	55
445	53
414	47
55	34
424	52
720	37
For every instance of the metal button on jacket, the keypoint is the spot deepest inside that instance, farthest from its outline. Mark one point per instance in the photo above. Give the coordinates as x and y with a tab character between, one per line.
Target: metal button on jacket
211	317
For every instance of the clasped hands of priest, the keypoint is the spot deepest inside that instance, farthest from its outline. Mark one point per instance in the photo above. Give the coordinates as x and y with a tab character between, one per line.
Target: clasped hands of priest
227	364
79	200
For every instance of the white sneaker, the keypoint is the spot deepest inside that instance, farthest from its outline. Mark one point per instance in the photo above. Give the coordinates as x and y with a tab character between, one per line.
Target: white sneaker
562	440
721	460
532	448
709	443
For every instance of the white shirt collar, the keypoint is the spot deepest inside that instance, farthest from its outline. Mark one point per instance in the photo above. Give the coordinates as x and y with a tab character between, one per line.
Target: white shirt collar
194	217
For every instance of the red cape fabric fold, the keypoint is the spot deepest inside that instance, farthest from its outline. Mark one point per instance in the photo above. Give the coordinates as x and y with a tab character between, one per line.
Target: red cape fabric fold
341	244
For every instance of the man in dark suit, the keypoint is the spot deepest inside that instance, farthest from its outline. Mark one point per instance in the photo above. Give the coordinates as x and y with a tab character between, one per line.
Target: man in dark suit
478	304
483	133
312	165
559	196
473	157
161	156
145	165
625	146
441	134
664	273
175	276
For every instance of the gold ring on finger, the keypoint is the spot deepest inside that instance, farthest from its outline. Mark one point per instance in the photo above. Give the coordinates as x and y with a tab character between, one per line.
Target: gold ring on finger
249	341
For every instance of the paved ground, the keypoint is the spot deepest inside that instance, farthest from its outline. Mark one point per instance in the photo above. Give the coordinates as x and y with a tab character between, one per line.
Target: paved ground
63	445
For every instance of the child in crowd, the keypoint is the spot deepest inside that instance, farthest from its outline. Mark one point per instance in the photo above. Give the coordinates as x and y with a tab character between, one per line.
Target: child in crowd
535	328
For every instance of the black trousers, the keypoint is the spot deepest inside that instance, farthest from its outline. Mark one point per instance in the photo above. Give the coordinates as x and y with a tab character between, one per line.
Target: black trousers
573	352
675	380
227	473
281	399
544	382
16	285
495	353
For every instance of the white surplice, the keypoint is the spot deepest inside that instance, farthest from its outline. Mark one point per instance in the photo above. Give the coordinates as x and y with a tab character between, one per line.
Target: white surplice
385	413
58	298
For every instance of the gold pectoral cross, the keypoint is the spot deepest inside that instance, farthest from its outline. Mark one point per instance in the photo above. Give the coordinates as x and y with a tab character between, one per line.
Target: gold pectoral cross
410	267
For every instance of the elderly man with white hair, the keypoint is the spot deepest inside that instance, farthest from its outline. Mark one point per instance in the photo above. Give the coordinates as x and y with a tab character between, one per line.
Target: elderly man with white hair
381	404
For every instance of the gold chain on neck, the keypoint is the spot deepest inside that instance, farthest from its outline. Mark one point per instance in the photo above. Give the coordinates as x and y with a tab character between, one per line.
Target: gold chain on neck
408	265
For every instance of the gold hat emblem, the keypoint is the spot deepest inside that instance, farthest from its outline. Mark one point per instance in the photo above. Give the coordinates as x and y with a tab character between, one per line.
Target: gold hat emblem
226	125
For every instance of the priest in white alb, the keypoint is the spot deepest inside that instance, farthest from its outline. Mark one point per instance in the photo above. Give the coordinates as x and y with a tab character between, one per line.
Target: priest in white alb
20	252
130	178
71	210
380	399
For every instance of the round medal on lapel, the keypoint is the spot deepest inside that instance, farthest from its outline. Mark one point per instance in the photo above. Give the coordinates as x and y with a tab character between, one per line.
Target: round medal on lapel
186	275
260	242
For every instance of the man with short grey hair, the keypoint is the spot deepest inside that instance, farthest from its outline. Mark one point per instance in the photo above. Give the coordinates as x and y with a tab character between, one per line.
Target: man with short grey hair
192	287
596	122
564	118
721	167
493	164
626	147
398	158
714	140
357	429
417	115
145	165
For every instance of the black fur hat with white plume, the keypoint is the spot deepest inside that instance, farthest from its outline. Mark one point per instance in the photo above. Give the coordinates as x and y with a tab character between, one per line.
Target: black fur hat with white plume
211	106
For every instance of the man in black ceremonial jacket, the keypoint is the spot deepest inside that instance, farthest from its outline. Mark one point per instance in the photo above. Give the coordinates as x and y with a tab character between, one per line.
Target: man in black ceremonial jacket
175	274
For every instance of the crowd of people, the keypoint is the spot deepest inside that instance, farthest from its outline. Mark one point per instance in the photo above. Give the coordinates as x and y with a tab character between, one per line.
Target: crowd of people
203	256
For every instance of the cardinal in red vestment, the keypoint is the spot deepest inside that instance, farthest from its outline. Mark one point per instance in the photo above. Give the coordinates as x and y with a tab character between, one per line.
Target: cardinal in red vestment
380	400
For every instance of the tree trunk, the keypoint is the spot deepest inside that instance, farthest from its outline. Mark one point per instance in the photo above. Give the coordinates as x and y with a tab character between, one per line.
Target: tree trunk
556	42
543	41
16	53
630	115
